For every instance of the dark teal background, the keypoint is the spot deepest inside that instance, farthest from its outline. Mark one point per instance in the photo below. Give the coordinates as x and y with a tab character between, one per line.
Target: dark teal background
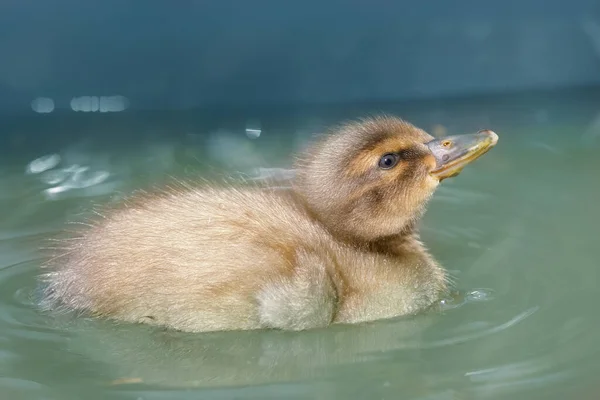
186	53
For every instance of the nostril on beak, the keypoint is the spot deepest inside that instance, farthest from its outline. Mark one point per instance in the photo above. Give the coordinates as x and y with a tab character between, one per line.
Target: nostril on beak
491	134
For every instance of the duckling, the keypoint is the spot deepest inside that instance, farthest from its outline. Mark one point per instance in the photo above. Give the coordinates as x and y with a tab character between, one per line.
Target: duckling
341	245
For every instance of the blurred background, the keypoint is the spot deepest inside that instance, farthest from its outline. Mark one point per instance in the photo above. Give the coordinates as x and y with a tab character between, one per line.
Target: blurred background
163	55
98	98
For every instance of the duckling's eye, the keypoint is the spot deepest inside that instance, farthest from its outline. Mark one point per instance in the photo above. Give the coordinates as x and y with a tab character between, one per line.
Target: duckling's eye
388	161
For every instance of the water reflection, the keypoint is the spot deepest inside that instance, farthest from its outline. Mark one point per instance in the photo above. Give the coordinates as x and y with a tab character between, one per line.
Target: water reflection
42	164
42	105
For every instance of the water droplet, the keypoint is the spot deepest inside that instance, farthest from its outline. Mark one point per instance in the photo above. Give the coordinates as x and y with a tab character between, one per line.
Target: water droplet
455	300
479	295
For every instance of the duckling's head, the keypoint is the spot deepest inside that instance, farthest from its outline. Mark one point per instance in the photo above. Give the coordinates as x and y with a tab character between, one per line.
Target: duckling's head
372	179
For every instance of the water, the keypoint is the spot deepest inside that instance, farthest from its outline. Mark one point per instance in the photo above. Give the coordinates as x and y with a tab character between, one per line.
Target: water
517	229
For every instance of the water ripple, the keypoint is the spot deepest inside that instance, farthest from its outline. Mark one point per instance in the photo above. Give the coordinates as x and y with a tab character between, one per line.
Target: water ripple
483	333
414	356
42	164
459	299
519	385
16	295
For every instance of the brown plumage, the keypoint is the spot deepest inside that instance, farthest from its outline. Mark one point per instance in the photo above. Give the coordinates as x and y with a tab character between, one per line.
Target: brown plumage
340	246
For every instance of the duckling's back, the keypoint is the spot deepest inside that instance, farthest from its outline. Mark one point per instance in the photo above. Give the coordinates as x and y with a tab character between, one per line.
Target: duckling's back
190	259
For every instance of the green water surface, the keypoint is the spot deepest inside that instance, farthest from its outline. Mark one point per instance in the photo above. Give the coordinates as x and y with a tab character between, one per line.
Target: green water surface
518	230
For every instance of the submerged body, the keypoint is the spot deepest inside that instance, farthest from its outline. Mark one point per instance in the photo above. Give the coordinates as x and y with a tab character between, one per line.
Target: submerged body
340	246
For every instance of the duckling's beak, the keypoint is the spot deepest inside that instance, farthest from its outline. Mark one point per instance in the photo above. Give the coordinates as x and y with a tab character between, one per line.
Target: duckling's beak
452	153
